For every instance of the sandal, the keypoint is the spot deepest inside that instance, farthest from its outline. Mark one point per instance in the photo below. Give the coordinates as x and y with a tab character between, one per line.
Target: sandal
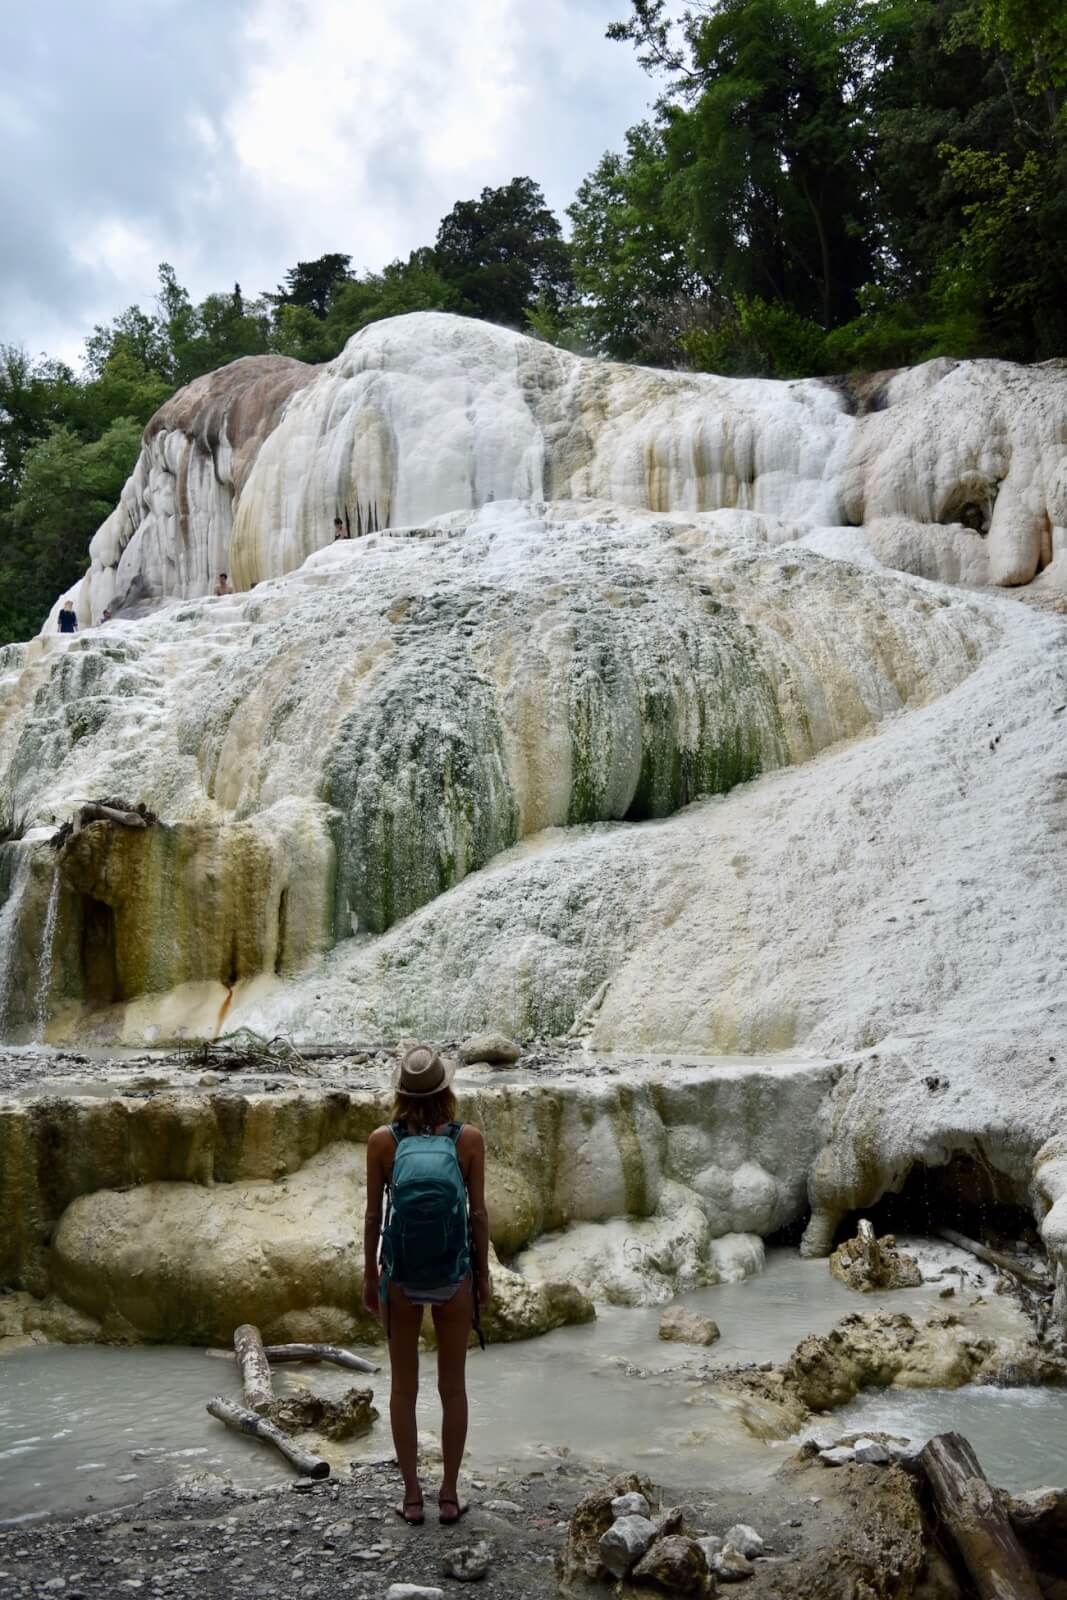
402	1512
462	1507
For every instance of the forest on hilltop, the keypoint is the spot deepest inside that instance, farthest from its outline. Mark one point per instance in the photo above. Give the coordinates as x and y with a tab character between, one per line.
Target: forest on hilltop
825	186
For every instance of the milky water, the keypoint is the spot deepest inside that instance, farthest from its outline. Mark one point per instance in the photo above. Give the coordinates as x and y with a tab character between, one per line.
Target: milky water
9	921
82	1426
48	942
1019	1435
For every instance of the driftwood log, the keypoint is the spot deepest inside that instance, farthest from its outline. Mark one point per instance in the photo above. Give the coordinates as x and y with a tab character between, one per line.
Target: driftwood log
975	1521
254	1367
320	1352
235	1416
994	1258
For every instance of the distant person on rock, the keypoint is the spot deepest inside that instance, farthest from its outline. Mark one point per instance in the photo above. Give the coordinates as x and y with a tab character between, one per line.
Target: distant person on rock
68	617
434	1252
339	531
223	585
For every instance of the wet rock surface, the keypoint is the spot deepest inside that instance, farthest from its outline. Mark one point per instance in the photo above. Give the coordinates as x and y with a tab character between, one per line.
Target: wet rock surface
868	1264
681	1326
353	1413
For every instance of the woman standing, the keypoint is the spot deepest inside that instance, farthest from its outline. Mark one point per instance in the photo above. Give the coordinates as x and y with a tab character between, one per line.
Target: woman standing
435	1252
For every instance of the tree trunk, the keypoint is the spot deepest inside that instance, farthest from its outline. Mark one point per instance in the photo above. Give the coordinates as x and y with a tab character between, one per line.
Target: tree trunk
247	1422
976	1522
320	1352
254	1367
993	1258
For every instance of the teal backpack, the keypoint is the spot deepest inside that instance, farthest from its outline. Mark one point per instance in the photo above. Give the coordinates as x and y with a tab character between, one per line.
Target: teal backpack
426	1237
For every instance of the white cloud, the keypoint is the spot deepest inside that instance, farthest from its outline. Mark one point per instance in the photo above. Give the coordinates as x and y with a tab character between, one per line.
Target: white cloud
234	137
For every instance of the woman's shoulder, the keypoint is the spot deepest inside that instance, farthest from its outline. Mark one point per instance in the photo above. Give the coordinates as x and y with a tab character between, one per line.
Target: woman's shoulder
470	1137
382	1138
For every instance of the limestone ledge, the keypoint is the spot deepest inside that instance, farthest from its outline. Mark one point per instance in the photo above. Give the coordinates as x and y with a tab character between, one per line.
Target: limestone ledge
174	1212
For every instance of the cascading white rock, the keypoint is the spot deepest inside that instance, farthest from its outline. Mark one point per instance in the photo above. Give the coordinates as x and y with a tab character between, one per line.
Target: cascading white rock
958	469
449	730
344	745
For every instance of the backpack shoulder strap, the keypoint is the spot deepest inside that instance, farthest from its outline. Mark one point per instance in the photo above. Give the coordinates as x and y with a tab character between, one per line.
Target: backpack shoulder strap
398	1131
454	1130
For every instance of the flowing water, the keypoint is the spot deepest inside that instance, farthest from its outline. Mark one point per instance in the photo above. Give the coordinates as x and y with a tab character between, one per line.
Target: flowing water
48	942
9	922
82	1426
1019	1435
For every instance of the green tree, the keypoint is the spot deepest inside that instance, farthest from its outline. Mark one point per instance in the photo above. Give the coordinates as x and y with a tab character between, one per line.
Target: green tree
503	253
34	395
312	283
68	487
638	291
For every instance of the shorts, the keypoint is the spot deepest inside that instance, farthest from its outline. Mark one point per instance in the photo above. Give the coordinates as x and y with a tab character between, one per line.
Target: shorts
433	1297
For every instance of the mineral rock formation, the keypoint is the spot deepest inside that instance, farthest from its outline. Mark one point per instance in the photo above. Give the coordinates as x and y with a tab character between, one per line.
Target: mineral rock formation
403	781
954	470
343	1418
868	1264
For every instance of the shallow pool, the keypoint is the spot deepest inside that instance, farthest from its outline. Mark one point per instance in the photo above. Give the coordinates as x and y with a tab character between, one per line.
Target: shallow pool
82	1426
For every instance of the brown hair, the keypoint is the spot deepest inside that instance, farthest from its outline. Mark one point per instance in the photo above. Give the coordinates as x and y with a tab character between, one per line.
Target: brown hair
423	1111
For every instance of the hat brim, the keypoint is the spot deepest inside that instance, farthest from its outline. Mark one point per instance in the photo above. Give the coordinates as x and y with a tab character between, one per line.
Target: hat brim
425	1094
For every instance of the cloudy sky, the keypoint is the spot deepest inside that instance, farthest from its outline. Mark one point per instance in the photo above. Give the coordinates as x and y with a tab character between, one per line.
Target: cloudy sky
234	137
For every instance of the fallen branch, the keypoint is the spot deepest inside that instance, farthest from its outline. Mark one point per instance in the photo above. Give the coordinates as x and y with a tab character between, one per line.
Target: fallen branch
235	1051
247	1422
254	1367
993	1258
976	1521
118	812
320	1352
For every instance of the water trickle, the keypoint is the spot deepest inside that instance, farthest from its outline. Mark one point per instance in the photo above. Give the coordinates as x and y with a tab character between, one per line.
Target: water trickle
10	914
44	981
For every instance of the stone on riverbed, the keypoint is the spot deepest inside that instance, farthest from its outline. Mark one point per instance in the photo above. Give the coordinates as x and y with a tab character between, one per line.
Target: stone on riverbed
682	1326
630	1505
468	1562
675	1564
493	1048
745	1539
580	1561
731	1565
626	1542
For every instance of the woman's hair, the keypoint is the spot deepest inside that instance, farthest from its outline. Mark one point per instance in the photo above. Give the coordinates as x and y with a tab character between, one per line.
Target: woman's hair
422	1111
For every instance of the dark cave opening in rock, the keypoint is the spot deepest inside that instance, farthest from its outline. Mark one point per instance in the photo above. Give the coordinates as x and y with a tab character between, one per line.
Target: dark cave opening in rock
967	1194
99	963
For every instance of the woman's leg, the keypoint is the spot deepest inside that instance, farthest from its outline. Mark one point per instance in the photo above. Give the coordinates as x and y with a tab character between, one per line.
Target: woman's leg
452	1324
405	1321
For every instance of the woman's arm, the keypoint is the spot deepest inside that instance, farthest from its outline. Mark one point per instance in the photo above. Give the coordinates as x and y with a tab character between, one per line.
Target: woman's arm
479	1215
372	1220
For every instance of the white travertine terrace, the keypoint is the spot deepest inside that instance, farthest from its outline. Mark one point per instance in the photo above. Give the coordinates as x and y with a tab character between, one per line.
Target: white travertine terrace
955	470
611	720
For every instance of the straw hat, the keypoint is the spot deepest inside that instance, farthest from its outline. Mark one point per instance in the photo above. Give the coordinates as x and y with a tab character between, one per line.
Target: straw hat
422	1071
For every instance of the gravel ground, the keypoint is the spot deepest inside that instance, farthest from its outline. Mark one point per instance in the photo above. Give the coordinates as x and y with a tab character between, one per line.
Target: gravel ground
333	1539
